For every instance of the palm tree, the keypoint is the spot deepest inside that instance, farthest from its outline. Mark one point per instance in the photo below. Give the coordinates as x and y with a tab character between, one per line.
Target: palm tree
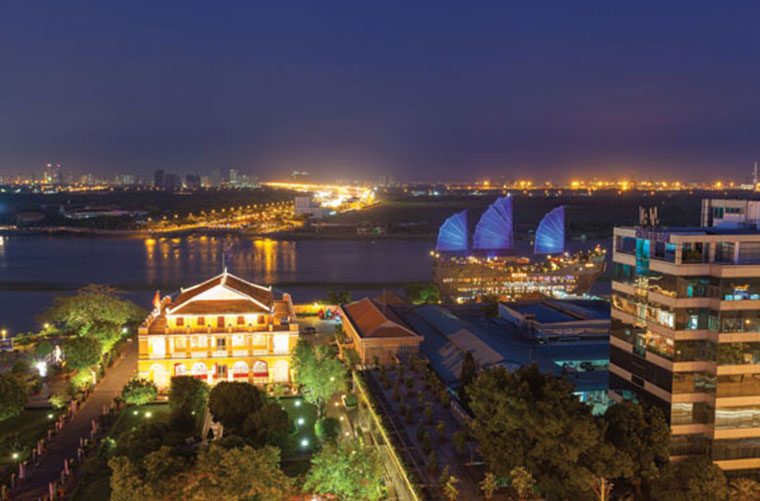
745	489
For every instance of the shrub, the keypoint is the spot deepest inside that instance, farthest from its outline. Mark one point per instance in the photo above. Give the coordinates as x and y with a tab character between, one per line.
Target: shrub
20	366
59	399
12	396
351	399
327	429
139	392
460	441
81	379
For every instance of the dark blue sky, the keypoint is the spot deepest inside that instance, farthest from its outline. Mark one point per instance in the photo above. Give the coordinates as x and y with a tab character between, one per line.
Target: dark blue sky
434	90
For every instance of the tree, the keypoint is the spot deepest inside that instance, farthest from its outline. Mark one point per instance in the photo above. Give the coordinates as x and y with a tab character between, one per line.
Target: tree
522	481
157	476
692	479
745	489
187	396
43	349
422	293
488	485
139	392
229	474
347	470
95	310
450	490
268	425
526	418
319	371
327	429
82	352
12	396
230	402
642	434
334	297
467	376
138	442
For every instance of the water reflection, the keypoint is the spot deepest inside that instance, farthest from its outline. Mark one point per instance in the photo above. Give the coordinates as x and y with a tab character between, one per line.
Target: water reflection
262	260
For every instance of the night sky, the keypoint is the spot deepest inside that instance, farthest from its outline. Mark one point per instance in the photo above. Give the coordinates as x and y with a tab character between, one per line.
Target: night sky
434	90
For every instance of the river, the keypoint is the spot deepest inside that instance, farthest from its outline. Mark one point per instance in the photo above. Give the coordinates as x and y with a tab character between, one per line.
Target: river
35	268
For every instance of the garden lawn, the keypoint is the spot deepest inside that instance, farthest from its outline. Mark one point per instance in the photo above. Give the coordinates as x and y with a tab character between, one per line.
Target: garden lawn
298	408
31	425
133	416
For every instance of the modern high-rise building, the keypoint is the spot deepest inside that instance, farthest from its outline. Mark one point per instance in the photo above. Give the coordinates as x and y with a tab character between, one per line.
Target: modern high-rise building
685	332
158	179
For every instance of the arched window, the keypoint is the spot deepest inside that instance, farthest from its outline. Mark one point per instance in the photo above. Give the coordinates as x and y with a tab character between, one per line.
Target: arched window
180	369
199	369
240	369
260	369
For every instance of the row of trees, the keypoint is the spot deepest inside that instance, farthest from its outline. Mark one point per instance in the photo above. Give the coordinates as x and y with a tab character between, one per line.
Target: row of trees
530	420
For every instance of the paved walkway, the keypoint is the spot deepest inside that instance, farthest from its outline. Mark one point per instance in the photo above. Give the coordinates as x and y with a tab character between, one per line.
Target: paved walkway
66	443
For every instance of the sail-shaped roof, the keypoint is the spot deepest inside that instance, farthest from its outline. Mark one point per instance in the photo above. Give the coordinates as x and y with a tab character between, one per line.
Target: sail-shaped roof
550	235
452	236
494	230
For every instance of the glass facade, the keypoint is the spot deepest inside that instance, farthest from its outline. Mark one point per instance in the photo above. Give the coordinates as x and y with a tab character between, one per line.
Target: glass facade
654	327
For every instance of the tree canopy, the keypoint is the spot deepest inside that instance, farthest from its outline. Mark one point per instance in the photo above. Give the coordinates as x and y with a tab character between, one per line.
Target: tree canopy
348	470
139	392
526	418
319	371
231	402
82	352
12	396
230	474
422	293
642	434
467	376
694	478
187	399
94	310
268	425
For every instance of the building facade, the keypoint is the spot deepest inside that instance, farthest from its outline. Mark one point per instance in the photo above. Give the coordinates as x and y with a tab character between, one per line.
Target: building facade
223	329
685	335
377	333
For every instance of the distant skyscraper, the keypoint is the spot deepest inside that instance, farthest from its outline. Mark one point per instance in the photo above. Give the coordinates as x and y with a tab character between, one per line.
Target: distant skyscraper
233	176
172	181
216	178
158	179
193	181
53	173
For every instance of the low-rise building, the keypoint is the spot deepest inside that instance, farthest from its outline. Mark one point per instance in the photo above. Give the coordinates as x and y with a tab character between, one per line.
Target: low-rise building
225	328
377	332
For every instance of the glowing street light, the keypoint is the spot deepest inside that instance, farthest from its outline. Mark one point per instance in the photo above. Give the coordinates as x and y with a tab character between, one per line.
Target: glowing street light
304	443
301	421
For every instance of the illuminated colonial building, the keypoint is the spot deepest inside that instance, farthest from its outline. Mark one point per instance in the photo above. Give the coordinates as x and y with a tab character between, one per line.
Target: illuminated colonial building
220	330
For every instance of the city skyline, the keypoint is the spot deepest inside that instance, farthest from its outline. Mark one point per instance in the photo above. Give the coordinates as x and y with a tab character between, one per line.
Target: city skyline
557	92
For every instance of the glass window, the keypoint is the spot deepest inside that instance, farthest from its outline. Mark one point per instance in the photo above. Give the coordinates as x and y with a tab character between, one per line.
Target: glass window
738	385
180	321
238	340
738	353
179	343
221	343
737	417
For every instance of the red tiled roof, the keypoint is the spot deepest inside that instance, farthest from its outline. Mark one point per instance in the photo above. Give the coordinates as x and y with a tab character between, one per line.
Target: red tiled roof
259	294
369	321
212	307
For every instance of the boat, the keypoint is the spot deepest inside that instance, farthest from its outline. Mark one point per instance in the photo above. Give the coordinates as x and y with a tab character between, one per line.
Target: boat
488	269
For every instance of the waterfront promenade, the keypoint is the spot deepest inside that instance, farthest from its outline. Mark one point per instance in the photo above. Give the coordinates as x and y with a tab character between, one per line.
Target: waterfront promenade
65	445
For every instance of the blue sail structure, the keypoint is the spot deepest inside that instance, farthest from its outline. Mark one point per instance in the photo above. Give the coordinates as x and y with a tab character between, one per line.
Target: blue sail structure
494	231
550	235
452	236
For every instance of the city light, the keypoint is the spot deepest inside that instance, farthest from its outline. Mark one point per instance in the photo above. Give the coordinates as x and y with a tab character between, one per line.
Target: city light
304	443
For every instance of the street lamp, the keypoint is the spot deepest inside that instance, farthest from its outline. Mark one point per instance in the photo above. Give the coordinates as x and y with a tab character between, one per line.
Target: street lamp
304	443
